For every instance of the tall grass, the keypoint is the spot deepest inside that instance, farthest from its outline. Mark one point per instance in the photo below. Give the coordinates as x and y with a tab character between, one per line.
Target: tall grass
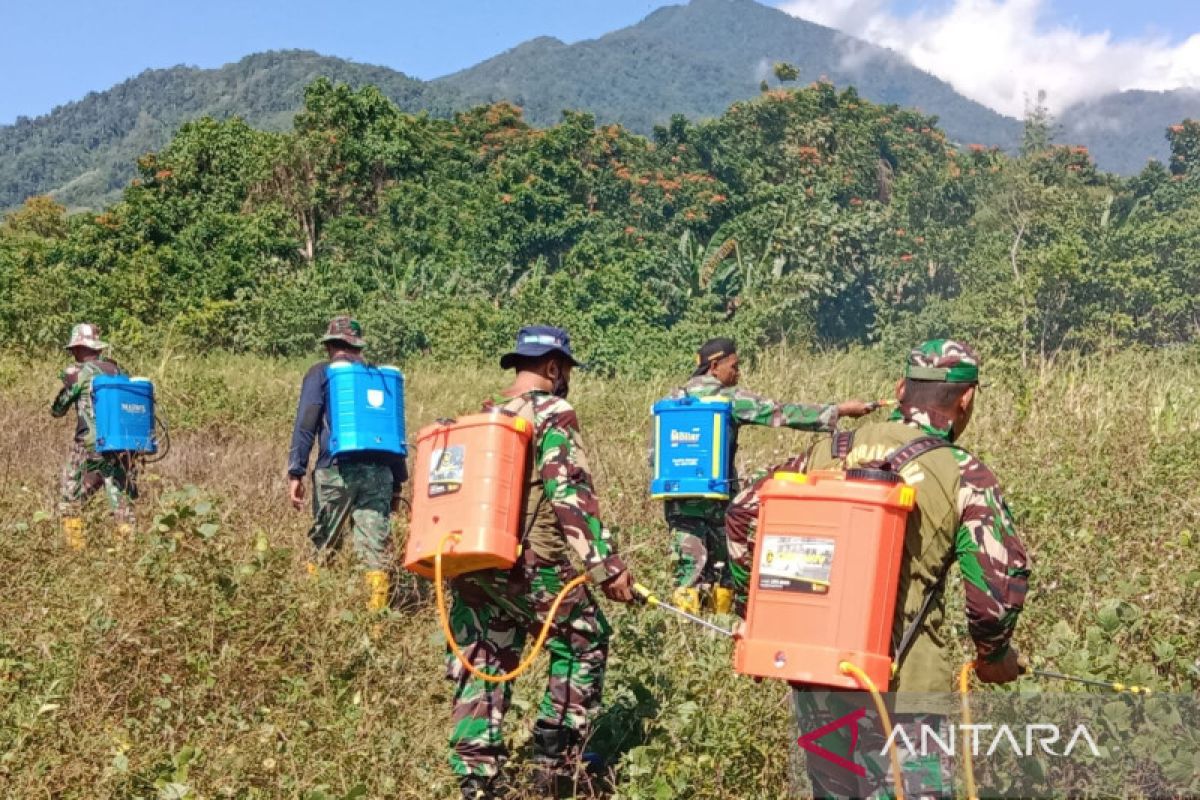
199	660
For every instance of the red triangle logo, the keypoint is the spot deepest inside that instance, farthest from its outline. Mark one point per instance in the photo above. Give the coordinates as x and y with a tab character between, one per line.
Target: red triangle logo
809	741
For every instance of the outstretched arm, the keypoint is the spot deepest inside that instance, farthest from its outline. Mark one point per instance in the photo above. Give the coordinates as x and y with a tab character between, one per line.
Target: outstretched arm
754	409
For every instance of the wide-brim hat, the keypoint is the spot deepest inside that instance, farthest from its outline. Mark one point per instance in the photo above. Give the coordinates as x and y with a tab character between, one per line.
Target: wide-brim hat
85	334
344	329
535	341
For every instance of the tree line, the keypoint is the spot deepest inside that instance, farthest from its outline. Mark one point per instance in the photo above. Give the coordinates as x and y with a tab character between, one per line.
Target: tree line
808	215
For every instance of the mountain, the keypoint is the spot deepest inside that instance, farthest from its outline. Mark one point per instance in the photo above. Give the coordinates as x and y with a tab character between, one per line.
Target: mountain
693	59
84	152
1123	130
697	59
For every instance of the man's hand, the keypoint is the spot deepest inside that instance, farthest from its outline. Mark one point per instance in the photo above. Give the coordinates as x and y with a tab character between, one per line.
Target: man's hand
855	408
620	588
1005	670
296	492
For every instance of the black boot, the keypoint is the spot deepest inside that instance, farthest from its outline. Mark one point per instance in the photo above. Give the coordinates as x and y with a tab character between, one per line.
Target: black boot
474	787
556	761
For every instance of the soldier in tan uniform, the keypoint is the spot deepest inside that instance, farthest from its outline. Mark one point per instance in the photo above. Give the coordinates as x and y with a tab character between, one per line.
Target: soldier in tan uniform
961	519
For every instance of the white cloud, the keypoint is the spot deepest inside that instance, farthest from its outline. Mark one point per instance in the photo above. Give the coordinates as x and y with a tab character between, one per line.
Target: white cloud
1000	53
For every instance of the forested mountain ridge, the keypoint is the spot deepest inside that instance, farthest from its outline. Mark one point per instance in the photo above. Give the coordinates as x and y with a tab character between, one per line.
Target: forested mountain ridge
1123	130
697	59
85	152
693	59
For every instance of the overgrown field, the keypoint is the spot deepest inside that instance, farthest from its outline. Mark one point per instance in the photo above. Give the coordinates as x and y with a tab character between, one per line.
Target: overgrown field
199	660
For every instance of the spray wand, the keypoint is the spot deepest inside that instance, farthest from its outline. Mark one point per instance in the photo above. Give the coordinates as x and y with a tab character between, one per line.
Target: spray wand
964	678
650	599
1114	686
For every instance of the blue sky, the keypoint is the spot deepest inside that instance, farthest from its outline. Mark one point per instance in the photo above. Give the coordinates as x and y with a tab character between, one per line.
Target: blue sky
52	57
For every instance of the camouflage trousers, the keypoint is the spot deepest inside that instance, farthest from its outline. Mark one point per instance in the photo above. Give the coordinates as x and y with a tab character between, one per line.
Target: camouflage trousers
494	613
85	473
698	542
741	525
863	743
359	492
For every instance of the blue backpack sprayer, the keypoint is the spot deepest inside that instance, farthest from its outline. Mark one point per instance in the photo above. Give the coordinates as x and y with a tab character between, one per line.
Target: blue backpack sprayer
126	422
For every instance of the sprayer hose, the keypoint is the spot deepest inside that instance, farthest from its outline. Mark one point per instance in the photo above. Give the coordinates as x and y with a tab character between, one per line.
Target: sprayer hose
444	618
865	680
964	687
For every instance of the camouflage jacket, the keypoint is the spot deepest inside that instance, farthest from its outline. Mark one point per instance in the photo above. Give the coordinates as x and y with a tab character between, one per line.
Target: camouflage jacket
749	408
560	467
77	391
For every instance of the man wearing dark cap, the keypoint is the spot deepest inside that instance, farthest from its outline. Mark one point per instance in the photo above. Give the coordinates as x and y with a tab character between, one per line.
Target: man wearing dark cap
698	524
496	611
363	488
961	517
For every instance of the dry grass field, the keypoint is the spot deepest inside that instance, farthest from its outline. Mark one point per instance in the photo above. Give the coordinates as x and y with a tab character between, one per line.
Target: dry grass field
198	660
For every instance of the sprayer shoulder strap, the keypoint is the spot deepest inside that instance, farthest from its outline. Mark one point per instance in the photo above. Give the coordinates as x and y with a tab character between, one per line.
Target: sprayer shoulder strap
932	594
911	451
842	444
896	460
525	410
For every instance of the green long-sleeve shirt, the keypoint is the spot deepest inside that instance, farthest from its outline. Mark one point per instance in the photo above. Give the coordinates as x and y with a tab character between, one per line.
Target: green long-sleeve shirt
749	408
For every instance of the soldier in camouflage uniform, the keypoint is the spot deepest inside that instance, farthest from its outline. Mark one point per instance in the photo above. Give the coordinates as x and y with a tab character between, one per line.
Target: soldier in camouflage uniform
495	611
961	517
362	488
697	524
86	471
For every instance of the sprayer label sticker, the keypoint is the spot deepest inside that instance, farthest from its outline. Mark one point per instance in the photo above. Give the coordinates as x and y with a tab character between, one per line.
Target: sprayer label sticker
375	398
446	470
795	564
679	437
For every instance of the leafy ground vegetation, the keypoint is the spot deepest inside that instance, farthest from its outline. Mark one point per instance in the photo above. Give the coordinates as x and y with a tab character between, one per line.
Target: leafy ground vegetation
199	660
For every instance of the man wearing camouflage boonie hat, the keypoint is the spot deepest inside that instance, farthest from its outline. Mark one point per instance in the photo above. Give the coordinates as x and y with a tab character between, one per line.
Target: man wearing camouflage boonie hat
86	471
360	488
962	519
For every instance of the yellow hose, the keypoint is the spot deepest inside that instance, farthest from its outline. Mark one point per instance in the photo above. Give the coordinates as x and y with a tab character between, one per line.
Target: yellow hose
863	678
964	687
444	618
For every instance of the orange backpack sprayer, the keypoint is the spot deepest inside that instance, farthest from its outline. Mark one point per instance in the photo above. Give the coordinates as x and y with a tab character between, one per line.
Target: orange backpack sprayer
469	487
467	509
826	571
826	574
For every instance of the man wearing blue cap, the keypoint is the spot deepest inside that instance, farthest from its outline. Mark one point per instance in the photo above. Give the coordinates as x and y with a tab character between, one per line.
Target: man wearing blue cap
495	611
